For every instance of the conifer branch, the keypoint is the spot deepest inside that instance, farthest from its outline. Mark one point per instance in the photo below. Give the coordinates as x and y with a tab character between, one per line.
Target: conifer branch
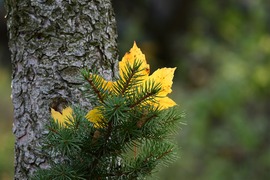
127	82
95	89
129	113
53	130
129	77
164	154
142	99
144	120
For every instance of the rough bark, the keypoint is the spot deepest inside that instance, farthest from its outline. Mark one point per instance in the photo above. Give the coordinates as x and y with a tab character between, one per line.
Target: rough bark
50	42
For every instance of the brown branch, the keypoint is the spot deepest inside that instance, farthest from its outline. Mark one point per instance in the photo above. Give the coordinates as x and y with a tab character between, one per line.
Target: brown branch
53	130
164	154
100	97
144	120
128	81
142	99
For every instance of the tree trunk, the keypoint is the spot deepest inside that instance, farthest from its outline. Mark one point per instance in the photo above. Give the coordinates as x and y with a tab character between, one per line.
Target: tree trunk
50	42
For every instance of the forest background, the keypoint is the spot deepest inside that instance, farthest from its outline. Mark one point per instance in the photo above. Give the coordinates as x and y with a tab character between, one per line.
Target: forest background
221	50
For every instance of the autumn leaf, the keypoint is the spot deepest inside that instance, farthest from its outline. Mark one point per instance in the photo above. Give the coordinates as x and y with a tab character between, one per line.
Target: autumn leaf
95	117
134	54
162	77
63	117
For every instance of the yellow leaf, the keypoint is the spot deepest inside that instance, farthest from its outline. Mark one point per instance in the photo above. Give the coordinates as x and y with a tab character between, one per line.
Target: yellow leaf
106	85
110	85
165	102
164	77
134	53
63	117
95	117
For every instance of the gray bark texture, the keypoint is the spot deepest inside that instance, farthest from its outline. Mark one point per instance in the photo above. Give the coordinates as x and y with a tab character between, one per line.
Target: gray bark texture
50	41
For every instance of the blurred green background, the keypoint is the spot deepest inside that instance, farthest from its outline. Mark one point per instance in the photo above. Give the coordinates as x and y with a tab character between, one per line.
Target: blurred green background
221	49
